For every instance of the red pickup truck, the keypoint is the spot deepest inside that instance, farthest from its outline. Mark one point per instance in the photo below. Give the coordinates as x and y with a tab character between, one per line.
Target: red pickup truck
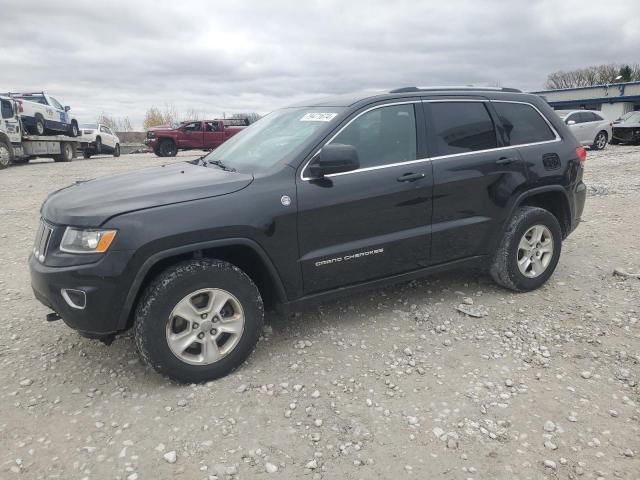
166	140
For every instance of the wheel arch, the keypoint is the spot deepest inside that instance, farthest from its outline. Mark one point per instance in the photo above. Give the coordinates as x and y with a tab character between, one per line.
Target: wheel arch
244	253
554	199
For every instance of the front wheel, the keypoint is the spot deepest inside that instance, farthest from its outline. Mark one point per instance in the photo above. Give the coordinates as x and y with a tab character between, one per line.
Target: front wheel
198	320
168	148
5	155
600	141
116	151
73	130
529	251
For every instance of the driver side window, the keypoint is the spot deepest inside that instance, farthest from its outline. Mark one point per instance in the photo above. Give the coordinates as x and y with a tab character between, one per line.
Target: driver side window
7	109
192	127
55	103
382	136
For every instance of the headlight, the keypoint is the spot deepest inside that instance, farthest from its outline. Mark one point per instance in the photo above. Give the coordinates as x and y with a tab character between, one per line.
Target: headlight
77	240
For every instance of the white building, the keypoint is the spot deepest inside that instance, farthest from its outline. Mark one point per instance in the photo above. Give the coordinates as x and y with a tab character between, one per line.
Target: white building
612	100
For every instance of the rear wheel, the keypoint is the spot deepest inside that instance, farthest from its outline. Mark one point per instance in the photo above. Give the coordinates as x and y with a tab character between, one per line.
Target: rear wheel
66	153
86	154
5	154
168	148
600	141
529	251
39	128
198	320
98	145
116	151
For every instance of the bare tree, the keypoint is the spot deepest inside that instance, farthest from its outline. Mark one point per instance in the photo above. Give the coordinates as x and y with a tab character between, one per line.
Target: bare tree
115	124
251	116
593	75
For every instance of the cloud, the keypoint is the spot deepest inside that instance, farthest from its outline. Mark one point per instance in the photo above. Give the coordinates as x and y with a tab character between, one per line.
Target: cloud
122	57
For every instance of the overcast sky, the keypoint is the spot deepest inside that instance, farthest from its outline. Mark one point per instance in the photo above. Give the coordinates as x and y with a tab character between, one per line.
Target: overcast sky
121	57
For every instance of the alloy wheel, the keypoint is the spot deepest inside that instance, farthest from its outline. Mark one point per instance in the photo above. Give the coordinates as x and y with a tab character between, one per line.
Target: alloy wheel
601	141
205	326
535	251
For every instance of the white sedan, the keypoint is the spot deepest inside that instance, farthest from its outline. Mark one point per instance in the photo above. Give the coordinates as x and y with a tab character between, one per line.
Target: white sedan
97	138
589	127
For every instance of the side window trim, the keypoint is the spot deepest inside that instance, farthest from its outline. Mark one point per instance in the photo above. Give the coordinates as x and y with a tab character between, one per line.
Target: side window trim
418	117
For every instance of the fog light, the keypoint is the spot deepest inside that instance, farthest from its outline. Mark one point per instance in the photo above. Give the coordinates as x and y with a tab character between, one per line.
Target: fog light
75	298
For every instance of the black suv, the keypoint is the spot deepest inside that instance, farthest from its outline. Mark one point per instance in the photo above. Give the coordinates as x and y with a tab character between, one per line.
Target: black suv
312	201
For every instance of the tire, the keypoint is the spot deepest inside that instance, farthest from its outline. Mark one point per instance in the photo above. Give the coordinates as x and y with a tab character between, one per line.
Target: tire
504	268
86	154
155	320
67	153
168	148
6	156
73	130
600	142
39	128
98	147
116	151
158	152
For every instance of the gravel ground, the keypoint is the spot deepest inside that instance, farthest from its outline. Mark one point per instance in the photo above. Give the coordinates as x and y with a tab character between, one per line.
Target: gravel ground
396	383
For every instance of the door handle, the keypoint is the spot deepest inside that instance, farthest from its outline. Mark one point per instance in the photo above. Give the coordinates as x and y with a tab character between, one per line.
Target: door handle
411	177
505	160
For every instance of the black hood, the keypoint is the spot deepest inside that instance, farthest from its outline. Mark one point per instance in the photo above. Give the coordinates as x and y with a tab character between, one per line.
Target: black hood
91	203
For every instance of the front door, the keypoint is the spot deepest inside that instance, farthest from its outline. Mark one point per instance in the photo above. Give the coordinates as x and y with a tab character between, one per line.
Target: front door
375	221
192	135
11	125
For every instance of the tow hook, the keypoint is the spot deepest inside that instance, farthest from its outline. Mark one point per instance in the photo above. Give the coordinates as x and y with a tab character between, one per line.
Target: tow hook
52	317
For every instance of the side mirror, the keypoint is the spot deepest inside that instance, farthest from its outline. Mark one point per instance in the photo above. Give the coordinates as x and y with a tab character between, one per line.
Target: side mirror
571	122
67	108
334	158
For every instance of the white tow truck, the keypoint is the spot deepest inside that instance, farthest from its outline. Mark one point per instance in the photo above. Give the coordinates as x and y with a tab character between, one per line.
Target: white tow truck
18	146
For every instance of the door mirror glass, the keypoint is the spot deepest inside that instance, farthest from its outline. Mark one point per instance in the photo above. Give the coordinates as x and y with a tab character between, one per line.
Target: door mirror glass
334	158
571	122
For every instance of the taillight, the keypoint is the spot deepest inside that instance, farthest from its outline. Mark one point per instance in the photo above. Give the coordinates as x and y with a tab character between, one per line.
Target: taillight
20	109
581	153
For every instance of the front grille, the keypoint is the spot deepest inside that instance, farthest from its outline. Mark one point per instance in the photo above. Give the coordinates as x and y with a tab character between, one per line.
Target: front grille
41	243
623	133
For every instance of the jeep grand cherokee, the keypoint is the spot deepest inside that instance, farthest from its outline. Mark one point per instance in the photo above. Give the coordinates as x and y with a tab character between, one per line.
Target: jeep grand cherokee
312	201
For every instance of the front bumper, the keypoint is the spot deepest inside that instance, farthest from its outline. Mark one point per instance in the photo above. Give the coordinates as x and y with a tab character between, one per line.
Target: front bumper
151	143
631	135
103	283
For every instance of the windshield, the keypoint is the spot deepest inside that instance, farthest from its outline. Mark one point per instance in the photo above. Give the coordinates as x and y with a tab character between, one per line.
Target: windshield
272	138
89	126
631	117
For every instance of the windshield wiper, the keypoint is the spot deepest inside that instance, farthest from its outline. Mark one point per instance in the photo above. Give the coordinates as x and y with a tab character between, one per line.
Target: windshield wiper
219	163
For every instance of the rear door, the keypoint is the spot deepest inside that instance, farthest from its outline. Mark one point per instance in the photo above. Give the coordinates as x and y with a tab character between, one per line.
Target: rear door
372	222
106	137
591	126
191	135
474	173
213	134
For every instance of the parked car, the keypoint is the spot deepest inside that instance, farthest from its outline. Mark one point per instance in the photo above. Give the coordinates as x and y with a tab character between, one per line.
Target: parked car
627	128
42	114
589	127
97	138
166	140
310	202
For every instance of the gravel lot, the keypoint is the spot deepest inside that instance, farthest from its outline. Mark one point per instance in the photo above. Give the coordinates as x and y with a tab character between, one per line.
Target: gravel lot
395	383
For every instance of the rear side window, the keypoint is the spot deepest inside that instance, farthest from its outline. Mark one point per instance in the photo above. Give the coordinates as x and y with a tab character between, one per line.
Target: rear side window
382	136
460	127
522	123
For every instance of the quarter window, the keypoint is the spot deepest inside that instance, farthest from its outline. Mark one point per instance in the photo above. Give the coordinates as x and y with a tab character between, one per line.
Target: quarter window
460	127
522	123
382	136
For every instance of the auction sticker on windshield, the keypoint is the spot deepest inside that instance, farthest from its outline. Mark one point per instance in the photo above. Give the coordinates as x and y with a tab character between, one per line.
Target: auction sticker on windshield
318	117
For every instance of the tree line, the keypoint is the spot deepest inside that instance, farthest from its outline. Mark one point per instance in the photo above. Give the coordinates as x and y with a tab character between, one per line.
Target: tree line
593	75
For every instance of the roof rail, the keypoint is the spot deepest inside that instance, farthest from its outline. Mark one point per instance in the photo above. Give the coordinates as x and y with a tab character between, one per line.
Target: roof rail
455	87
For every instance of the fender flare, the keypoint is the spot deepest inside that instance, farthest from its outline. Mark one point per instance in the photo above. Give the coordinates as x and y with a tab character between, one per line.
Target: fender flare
152	260
529	193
